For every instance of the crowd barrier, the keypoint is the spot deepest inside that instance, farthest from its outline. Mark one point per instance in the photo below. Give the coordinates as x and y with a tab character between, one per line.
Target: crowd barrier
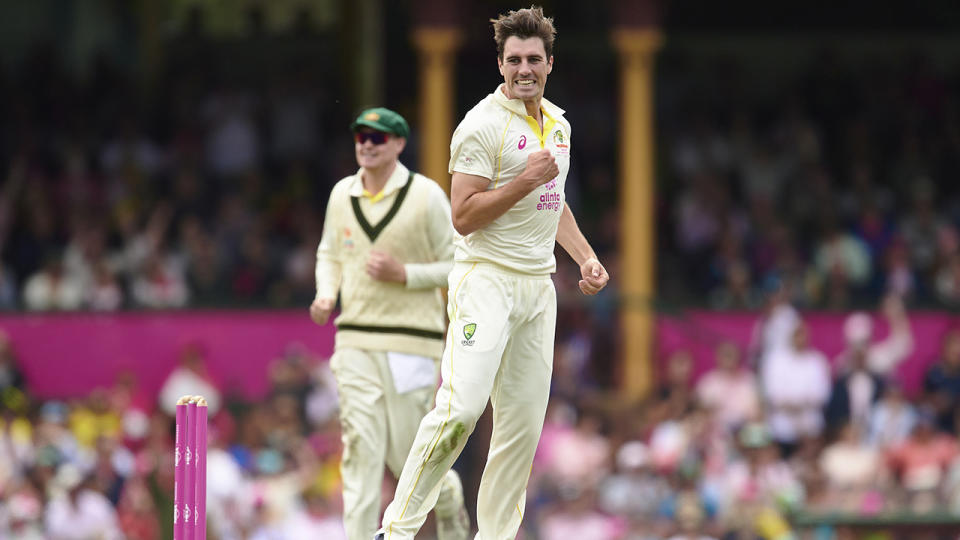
67	355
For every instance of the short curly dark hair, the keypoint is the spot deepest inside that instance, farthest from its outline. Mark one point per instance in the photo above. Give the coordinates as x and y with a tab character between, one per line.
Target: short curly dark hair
524	23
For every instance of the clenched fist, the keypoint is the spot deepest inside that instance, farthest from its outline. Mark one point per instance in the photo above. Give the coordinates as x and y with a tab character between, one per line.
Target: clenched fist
595	276
541	168
382	266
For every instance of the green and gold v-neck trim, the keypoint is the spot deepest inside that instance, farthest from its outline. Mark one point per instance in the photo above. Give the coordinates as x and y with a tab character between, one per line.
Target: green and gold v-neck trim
373	231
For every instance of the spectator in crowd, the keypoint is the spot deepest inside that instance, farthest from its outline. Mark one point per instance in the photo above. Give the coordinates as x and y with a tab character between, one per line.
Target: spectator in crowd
796	385
576	517
188	379
760	487
775	326
854	394
79	511
920	464
634	489
160	284
317	519
842	264
853	469
892	418
882	357
729	390
580	456
137	512
104	292
942	382
52	288
690	517
675	390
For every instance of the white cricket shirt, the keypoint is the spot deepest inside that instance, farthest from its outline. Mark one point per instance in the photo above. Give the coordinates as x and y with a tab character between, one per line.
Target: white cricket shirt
493	141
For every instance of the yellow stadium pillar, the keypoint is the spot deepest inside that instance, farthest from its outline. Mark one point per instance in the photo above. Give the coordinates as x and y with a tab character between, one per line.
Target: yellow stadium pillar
636	48
436	49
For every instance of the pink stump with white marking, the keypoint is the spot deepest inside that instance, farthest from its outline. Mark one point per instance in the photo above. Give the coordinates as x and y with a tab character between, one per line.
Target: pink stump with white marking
190	470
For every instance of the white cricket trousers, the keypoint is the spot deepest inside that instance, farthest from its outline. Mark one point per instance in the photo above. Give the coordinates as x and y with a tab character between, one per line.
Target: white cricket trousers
377	427
499	347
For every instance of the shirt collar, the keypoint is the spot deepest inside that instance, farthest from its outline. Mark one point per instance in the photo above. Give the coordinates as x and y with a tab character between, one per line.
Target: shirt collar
396	181
516	105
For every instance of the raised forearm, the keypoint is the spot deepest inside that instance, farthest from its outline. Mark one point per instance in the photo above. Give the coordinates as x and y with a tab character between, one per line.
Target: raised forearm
474	206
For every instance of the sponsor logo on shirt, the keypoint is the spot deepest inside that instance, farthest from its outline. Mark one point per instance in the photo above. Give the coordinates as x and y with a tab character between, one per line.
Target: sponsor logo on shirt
522	143
550	200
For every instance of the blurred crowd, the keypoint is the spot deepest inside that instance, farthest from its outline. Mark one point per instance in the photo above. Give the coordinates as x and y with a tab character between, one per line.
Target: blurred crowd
772	435
209	189
766	443
838	179
205	188
102	466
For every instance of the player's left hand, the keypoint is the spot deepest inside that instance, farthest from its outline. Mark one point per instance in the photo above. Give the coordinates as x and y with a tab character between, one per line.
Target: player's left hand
383	267
595	276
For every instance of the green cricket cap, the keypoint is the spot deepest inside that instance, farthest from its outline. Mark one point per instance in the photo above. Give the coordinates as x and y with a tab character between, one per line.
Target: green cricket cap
382	119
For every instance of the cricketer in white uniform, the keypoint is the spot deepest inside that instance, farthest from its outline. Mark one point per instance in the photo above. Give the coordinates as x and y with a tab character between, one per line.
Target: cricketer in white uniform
509	158
387	247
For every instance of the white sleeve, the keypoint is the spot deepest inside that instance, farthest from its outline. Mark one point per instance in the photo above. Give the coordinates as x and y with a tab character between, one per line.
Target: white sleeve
474	150
440	235
328	270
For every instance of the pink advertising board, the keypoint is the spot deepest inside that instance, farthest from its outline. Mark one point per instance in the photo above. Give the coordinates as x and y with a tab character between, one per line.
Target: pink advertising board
700	332
67	355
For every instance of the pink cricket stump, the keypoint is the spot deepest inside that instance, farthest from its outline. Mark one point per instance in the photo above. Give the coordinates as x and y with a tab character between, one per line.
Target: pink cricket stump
190	479
180	469
201	460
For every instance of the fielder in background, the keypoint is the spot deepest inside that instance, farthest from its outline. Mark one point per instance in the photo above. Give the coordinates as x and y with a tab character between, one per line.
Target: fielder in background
509	158
386	249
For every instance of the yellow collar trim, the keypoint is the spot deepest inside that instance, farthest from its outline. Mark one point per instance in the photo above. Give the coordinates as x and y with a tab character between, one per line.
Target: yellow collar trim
548	125
375	198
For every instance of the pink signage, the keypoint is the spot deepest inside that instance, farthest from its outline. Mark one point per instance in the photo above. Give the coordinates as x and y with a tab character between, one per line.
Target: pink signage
700	332
67	355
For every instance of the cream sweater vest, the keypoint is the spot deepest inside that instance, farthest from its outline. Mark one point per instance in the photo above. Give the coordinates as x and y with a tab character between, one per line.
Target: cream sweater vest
376	315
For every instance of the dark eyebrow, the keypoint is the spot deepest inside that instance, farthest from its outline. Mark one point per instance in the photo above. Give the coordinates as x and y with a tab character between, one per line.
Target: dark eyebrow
512	56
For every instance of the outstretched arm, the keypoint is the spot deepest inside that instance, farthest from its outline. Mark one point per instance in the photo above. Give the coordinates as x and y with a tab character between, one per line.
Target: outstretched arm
594	275
473	206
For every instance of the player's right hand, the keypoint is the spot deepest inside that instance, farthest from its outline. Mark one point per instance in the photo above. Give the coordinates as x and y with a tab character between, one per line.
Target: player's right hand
541	168
320	310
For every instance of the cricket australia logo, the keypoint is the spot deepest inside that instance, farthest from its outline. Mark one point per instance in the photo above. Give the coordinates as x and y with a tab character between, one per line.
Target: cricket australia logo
560	143
468	330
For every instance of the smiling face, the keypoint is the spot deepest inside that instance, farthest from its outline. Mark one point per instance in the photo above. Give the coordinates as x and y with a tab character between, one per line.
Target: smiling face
524	66
372	156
